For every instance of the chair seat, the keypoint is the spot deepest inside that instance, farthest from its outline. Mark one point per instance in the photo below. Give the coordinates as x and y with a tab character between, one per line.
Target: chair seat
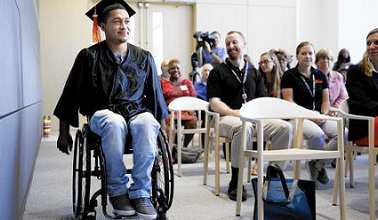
288	154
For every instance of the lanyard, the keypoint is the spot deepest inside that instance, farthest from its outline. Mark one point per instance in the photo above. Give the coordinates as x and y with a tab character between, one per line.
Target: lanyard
309	89
244	76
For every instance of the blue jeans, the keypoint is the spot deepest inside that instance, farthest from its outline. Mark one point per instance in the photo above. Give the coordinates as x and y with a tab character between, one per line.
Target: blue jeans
112	128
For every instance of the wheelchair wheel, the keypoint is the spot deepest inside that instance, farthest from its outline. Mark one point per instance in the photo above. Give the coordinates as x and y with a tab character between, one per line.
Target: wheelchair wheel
162	178
81	174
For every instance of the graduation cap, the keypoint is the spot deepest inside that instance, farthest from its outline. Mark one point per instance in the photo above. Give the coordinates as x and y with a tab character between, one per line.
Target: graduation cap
98	12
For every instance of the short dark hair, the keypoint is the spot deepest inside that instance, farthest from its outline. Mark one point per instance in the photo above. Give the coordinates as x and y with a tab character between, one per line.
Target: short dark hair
237	32
103	16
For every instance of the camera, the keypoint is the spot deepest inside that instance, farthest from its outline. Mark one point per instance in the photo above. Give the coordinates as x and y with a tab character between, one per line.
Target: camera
204	37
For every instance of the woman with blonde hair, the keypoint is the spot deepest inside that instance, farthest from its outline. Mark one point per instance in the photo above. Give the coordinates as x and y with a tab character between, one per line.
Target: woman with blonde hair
362	86
270	68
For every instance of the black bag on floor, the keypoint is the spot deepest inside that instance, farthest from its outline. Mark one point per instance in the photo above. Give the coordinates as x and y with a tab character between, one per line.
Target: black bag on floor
285	198
187	155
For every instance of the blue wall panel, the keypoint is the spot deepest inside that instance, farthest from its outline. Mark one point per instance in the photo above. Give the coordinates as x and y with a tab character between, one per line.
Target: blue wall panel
20	103
30	138
31	84
10	62
9	148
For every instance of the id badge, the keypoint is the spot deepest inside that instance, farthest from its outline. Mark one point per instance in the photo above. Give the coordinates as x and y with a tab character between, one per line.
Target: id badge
184	88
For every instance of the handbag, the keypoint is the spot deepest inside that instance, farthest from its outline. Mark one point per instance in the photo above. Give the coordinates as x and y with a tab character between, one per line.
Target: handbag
285	199
187	155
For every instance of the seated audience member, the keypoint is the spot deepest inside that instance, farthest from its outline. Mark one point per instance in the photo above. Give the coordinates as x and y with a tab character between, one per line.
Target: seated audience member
164	69
343	63
175	87
308	87
342	58
284	58
230	84
362	86
200	87
343	70
247	58
336	85
270	68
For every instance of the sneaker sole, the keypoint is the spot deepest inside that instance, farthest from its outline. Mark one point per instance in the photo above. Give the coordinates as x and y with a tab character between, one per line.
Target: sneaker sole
125	213
146	217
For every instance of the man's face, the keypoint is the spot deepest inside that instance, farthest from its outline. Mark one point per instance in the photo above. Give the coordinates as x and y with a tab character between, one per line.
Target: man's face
235	46
205	72
216	40
164	67
117	26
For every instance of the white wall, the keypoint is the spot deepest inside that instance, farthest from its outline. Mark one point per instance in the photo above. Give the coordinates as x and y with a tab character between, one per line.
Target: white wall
267	24
356	18
65	30
337	24
318	23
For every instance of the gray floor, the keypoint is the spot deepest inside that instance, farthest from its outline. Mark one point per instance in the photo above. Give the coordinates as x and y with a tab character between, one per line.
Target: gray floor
50	193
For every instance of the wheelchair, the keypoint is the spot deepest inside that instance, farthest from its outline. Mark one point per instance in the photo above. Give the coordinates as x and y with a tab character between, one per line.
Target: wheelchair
89	163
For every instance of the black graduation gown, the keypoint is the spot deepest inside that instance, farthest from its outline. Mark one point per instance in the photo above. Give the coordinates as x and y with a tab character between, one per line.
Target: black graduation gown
363	100
97	81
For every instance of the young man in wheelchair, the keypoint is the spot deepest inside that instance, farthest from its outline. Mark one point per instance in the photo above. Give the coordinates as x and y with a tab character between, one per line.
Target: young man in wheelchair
115	84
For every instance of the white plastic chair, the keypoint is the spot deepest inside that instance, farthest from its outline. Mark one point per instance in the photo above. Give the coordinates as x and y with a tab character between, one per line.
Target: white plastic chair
352	147
178	105
255	111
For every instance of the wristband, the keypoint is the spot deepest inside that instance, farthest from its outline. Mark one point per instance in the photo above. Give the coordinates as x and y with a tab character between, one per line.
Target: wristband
211	53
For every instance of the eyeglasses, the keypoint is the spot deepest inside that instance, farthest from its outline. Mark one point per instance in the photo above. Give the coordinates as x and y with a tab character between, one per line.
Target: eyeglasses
325	59
264	62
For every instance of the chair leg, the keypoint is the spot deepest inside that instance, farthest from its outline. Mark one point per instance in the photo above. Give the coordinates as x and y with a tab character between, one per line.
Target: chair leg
227	148
249	169
372	161
217	169
351	169
340	168
335	186
206	160
179	159
346	163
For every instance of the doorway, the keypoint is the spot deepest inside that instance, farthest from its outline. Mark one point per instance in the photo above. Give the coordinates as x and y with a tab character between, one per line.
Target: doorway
166	31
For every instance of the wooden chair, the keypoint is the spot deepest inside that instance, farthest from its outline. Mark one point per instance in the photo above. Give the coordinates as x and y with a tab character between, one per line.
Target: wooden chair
351	148
255	111
218	140
213	133
178	105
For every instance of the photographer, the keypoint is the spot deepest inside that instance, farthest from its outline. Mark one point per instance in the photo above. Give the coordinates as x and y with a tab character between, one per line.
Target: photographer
209	50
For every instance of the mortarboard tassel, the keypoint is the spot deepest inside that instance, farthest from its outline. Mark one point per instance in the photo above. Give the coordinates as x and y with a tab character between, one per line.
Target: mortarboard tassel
95	31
